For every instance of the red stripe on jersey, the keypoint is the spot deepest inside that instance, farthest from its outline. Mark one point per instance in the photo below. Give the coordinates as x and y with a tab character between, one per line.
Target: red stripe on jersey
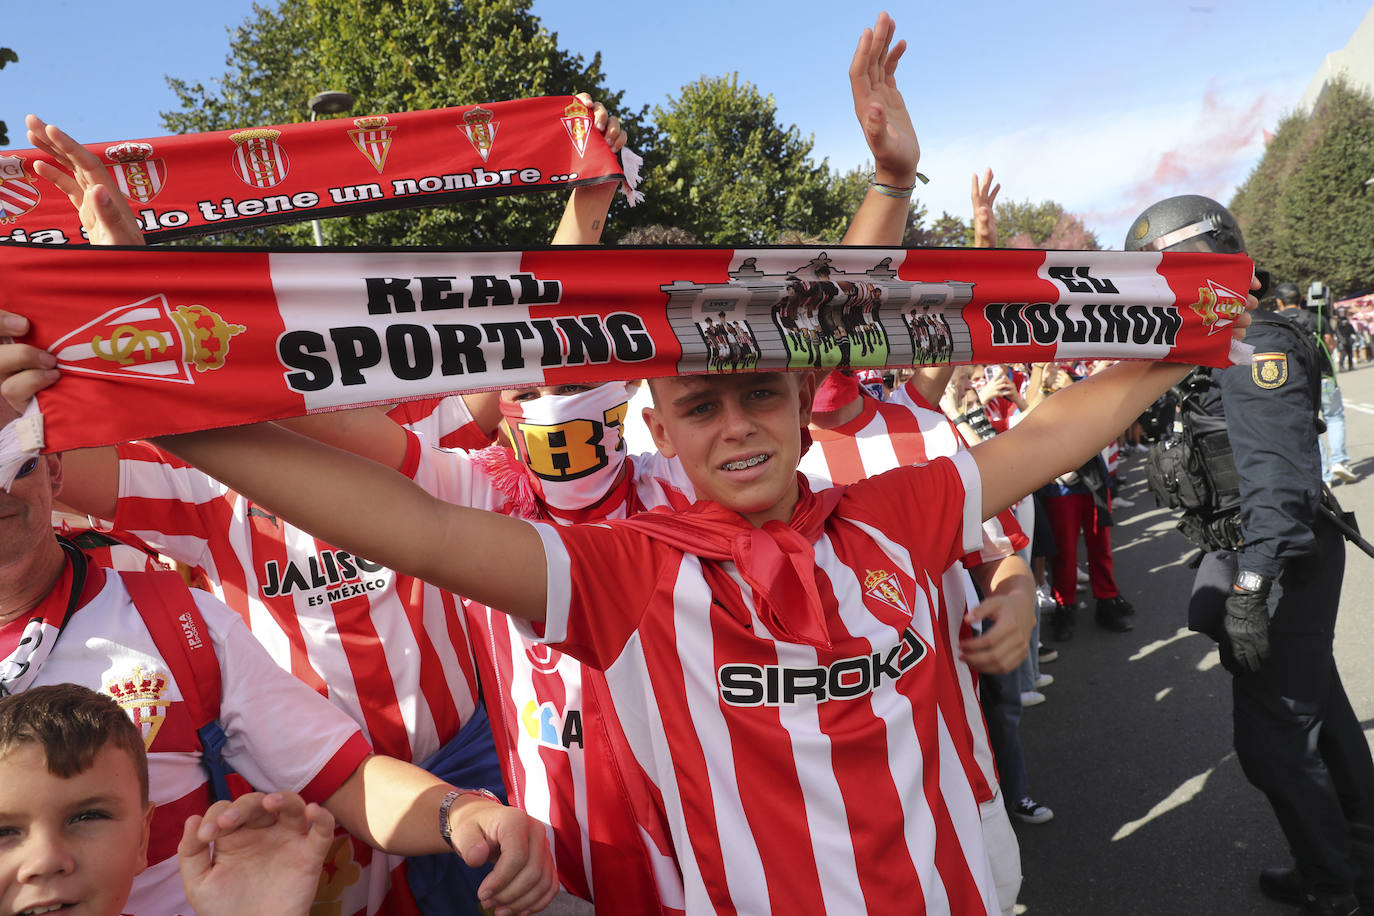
169	820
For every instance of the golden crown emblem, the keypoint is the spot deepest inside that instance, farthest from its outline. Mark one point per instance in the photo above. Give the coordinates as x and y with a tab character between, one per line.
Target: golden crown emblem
371	122
129	152
257	133
575	110
876	576
205	336
478	115
139	685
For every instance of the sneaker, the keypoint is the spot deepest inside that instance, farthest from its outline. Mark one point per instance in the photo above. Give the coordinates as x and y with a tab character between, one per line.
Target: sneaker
1343	472
1029	811
1032	698
1047	654
1043	681
1121	502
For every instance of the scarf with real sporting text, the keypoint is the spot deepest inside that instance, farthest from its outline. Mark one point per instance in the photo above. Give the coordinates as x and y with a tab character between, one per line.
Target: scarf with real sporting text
161	341
198	184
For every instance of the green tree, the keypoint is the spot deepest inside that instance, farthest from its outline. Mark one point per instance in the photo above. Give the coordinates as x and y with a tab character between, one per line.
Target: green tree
7	56
1022	224
725	170
1305	209
397	55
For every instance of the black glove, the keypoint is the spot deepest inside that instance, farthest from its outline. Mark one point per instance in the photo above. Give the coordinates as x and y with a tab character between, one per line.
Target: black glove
1247	627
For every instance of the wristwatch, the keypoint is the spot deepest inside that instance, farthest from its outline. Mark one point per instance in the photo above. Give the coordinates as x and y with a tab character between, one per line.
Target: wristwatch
1248	581
447	803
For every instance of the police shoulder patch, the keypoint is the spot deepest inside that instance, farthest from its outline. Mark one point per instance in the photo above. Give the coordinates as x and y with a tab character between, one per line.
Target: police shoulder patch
1269	370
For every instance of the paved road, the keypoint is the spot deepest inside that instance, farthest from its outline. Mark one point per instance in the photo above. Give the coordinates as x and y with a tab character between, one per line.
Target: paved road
1133	748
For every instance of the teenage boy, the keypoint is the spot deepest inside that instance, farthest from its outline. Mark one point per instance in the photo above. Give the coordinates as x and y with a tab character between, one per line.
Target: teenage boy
75	820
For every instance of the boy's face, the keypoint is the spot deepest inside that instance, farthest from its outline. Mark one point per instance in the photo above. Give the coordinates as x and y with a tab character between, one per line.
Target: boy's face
738	437
75	843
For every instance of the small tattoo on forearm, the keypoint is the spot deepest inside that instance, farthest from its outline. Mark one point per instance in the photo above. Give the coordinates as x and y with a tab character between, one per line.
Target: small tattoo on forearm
596	224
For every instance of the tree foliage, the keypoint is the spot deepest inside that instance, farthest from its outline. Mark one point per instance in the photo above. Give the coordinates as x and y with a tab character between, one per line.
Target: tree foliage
7	56
725	170
1305	209
1022	224
396	55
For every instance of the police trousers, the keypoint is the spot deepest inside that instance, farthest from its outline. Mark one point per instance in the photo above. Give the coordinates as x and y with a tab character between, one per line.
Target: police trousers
1296	736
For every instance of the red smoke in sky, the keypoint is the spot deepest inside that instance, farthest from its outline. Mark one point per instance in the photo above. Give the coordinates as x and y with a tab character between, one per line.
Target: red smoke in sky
1205	161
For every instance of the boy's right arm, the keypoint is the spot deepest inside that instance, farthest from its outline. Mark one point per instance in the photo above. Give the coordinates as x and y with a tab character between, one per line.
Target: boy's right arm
375	512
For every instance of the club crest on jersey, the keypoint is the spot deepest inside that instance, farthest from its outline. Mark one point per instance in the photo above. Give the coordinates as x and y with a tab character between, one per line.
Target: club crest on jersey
1217	306
18	195
542	658
883	586
1269	370
339	873
149	339
543	723
139	176
577	121
259	159
140	696
373	139
480	130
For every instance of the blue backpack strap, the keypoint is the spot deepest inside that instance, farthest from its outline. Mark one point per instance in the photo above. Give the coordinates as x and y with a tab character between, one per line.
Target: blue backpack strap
169	611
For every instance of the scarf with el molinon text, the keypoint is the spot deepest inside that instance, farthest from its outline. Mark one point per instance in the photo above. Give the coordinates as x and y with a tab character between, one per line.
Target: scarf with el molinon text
160	341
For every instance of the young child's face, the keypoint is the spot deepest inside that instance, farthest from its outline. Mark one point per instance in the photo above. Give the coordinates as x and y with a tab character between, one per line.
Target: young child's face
72	843
738	437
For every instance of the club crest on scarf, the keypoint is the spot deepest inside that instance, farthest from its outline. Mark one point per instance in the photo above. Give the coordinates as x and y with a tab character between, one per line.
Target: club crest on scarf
140	177
481	130
259	159
140	695
17	192
372	137
149	339
578	123
572	445
1218	307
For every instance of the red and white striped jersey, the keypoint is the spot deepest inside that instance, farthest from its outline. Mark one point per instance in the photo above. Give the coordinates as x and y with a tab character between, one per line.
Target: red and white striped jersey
389	650
280	734
796	779
563	754
897	433
444	421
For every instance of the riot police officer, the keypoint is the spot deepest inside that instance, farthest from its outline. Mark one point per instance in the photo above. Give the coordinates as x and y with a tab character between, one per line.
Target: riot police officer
1271	601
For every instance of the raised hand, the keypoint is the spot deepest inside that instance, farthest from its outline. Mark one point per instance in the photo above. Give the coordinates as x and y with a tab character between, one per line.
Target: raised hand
881	111
105	214
983	196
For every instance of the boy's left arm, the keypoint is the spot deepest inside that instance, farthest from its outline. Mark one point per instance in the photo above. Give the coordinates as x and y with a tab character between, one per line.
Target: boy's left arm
1008	606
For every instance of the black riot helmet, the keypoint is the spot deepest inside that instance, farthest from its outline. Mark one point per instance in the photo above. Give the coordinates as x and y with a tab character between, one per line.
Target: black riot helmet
1188	222
1288	294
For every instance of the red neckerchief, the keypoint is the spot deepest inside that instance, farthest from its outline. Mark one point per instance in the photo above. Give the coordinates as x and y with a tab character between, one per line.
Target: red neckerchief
778	560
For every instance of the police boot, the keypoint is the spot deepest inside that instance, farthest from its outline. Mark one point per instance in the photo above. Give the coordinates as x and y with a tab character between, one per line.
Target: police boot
1281	884
1362	857
1323	903
1062	622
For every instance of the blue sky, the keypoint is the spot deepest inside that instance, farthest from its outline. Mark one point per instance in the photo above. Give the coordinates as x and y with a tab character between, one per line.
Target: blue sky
1103	106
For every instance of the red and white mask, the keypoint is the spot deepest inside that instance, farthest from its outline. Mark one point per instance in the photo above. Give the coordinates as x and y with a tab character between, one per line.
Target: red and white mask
572	444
